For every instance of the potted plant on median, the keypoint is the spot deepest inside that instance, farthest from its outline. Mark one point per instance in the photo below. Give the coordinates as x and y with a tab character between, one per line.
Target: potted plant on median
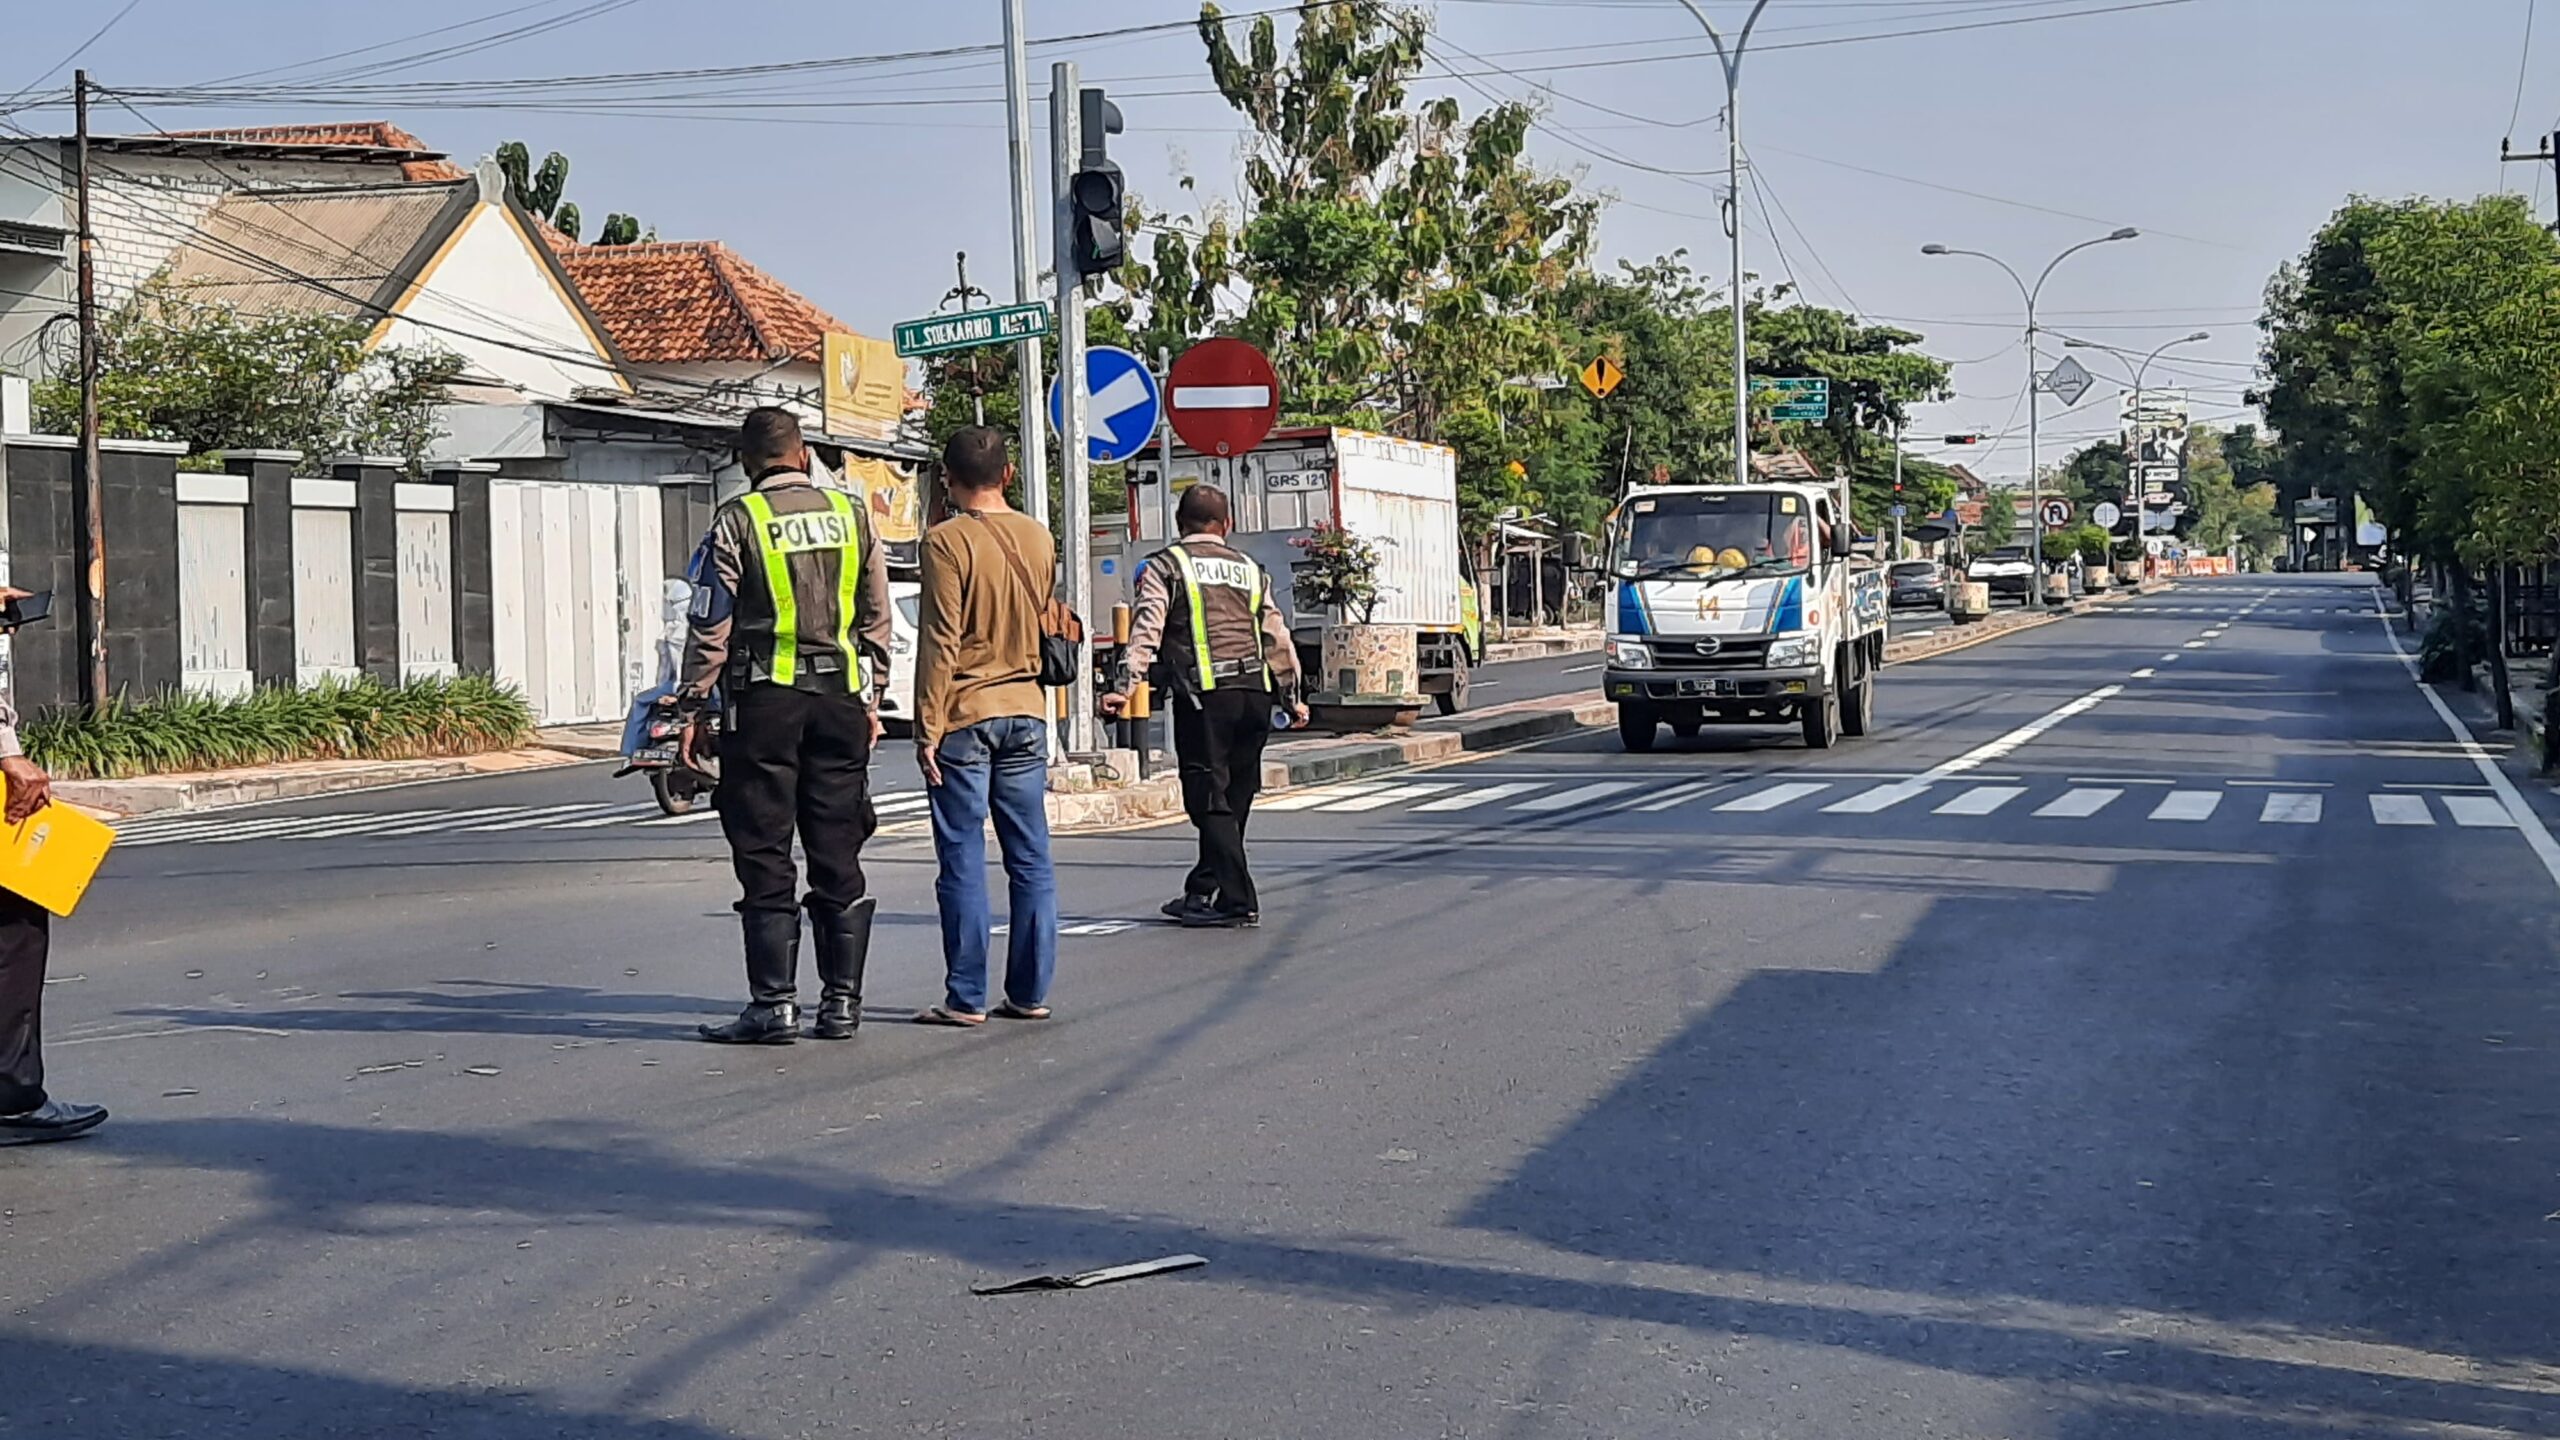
1369	674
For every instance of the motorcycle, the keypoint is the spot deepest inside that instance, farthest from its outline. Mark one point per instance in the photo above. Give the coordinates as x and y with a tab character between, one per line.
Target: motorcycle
676	745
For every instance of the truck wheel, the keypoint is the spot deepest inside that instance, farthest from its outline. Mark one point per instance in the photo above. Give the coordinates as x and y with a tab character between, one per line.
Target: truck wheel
1858	709
1454	699
1822	720
1636	727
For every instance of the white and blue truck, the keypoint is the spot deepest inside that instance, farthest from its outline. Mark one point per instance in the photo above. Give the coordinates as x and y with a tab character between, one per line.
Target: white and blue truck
1741	605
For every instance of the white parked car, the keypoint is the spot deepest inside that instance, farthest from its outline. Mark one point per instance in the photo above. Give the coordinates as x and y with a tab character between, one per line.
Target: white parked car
898	702
2005	571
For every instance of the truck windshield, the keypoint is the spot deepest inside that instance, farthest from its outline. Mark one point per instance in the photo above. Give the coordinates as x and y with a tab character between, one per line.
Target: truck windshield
1703	535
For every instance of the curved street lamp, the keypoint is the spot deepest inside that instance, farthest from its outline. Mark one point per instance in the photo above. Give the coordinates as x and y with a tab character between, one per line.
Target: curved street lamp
1731	59
2031	293
2134	487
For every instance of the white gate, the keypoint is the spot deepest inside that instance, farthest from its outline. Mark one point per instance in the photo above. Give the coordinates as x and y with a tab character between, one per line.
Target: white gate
213	587
573	594
426	579
324	581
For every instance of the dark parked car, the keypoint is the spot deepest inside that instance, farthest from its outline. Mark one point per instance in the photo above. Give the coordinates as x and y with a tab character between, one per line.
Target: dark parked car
1921	583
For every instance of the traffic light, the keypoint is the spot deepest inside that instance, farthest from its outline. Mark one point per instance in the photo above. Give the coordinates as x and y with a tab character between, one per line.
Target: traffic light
1097	192
1964	439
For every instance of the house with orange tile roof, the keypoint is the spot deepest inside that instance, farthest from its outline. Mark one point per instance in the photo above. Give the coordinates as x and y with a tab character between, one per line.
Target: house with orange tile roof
694	318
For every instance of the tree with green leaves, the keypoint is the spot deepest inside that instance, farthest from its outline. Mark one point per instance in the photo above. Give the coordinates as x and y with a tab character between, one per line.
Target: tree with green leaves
541	190
1877	373
172	368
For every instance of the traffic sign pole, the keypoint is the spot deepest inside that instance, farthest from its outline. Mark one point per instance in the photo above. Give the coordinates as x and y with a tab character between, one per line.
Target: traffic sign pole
1076	537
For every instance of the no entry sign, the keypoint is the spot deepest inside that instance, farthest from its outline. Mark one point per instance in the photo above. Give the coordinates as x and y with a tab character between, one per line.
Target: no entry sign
1223	397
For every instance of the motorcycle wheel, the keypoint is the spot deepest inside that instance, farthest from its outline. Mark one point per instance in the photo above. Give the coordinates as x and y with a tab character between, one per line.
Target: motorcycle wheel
674	796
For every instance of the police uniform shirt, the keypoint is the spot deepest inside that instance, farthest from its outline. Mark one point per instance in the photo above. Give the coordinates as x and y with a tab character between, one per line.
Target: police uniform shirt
1230	629
733	636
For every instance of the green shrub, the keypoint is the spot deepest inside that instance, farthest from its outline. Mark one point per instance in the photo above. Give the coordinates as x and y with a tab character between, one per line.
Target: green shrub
338	720
2451	638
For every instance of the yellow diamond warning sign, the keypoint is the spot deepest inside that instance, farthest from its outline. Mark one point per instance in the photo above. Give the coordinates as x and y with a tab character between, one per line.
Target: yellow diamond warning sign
1602	376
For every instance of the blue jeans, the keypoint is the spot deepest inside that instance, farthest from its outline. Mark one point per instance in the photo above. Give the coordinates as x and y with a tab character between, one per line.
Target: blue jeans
1001	767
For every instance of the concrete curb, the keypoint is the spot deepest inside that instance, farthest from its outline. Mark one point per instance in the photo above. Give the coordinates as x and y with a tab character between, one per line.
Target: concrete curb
155	794
1581	642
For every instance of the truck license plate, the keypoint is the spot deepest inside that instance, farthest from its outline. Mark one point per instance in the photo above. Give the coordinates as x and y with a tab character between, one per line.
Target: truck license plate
1706	687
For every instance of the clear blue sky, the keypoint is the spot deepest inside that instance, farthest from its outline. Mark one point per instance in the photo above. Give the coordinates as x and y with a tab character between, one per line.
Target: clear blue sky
2226	129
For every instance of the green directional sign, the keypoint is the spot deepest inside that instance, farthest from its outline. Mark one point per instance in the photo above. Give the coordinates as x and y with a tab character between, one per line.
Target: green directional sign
971	329
1800	397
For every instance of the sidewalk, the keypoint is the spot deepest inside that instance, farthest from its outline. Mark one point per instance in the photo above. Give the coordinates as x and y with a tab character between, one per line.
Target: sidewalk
1538	644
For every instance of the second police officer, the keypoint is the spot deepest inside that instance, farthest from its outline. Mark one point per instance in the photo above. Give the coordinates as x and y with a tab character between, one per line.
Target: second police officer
1206	629
792	623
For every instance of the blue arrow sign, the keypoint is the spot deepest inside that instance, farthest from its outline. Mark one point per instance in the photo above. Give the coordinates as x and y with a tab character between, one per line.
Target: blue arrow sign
1122	404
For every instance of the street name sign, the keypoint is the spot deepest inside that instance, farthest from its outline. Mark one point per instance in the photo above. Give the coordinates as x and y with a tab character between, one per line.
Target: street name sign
1122	404
1222	396
1800	397
970	329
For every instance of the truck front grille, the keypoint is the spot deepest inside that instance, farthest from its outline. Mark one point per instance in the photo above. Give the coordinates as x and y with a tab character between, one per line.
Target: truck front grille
1728	655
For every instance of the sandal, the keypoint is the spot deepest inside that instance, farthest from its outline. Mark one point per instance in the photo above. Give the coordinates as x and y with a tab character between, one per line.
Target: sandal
961	1019
1011	1011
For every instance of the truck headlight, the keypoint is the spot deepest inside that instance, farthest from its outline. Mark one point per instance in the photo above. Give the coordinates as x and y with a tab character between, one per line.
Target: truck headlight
1788	651
1630	654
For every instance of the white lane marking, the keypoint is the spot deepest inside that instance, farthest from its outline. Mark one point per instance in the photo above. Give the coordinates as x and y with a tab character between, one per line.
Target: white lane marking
264	830
1580	669
1582	795
2479	812
911	800
623	816
2195	645
1382	799
1482	795
2400	810
1775	796
252	828
354	825
2145	673
543	816
1980	755
2079	804
450	818
1981	800
1322	795
1883	797
2187	805
1680	795
2519	813
2286	808
2167	659
693	818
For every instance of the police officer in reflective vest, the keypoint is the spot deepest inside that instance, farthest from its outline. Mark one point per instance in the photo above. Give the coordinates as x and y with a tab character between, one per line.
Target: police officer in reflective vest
793	624
1206	630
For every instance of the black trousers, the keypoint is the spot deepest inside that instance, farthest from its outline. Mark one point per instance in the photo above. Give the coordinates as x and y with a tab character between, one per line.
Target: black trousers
1218	737
25	935
798	761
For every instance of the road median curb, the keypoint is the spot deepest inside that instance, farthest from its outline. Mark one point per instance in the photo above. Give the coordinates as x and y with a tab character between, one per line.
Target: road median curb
299	780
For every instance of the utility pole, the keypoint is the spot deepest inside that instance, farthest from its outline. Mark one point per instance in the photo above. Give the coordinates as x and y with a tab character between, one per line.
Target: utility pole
1731	61
1897	489
1027	368
2548	154
91	496
1066	131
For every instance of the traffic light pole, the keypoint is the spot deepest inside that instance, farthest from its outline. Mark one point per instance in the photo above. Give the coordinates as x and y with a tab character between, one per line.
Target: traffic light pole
1076	466
1027	368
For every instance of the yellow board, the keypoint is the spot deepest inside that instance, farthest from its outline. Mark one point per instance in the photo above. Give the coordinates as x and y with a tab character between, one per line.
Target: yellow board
1602	376
51	858
866	386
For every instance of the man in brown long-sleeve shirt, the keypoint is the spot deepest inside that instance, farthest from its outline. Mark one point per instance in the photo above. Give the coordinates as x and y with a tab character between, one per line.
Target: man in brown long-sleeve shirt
1206	629
982	731
793	625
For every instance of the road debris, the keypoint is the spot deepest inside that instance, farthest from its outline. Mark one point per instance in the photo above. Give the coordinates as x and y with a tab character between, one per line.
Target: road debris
1086	1280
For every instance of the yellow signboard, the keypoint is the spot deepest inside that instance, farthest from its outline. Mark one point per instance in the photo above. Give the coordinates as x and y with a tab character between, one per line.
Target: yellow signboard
889	495
1602	376
866	386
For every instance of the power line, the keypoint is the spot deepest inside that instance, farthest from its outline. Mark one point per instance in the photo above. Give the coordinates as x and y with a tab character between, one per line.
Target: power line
81	49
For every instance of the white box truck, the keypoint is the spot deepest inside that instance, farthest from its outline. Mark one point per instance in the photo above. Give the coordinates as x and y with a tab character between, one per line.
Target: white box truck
1401	495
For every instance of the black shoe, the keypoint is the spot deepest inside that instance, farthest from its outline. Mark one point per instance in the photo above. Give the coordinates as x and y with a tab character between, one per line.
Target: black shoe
844	952
1172	909
777	1024
53	1120
773	977
1204	915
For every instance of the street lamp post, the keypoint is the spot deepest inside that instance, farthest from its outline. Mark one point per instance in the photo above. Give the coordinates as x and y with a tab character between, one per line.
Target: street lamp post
2133	486
2035	480
1731	60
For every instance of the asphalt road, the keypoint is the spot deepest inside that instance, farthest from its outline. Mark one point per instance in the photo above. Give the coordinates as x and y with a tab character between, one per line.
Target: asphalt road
2150	1033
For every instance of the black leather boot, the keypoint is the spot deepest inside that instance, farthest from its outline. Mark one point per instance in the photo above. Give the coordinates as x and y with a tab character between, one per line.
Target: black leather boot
844	947
773	978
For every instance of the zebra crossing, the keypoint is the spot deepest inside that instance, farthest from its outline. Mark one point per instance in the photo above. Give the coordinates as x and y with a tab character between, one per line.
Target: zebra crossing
2225	612
518	821
2147	799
